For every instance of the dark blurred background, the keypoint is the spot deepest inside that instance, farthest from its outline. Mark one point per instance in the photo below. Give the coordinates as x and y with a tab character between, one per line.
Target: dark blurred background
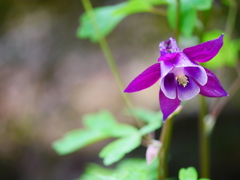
49	79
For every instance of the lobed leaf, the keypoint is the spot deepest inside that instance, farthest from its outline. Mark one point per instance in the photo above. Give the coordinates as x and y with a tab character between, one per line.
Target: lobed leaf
118	148
77	139
101	125
153	120
189	173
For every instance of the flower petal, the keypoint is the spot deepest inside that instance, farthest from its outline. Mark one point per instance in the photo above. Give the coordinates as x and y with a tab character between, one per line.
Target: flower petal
183	61
168	106
205	51
189	91
167	56
197	73
168	86
146	79
166	67
213	87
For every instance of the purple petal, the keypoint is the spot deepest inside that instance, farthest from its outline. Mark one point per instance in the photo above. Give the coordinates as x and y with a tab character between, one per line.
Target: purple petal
146	79
197	73
168	86
205	51
213	88
168	106
167	57
166	67
183	61
169	46
189	91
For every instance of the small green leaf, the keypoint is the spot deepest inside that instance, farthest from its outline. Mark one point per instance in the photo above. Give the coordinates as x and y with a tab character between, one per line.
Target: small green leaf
101	125
188	18
95	172
135	6
118	148
202	4
157	2
77	139
106	20
102	120
189	173
188	14
153	120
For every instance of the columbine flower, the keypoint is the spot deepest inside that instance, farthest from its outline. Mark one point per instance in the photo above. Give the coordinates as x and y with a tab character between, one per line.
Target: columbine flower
181	78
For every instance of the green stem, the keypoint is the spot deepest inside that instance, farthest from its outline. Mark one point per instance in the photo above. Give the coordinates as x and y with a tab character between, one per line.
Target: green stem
165	139
231	18
178	8
203	140
109	58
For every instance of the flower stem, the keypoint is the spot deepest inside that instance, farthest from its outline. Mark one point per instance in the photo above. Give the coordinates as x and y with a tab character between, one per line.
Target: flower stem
109	58
203	140
178	8
231	18
165	139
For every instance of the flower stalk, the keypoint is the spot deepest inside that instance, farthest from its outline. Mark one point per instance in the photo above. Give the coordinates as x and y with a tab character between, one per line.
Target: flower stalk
203	140
165	139
109	58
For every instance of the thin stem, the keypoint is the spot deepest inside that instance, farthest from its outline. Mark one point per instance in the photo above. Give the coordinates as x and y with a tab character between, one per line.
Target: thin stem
109	58
231	18
203	140
219	105
178	8
165	139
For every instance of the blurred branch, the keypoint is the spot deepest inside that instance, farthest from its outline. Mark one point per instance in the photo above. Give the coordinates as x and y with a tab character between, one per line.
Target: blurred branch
219	105
231	18
110	60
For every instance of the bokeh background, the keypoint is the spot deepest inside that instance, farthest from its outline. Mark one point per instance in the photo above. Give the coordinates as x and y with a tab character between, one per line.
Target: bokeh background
49	79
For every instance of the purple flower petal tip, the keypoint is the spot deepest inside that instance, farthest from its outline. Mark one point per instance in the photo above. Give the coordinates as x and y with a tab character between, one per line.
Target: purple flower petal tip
205	51
146	79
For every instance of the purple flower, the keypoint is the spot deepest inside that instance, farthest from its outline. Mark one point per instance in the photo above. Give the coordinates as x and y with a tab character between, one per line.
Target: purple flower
181	78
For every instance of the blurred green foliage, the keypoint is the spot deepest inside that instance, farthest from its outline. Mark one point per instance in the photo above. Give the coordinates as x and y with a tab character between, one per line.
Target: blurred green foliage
129	169
189	173
103	125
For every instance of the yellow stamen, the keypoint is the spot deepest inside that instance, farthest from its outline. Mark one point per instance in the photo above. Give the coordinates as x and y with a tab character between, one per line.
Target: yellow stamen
182	80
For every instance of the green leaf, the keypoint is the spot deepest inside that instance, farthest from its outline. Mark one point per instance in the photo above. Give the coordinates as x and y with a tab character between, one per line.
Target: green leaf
189	173
157	2
188	14
202	4
227	56
135	6
153	120
118	148
128	169
95	172
188	18
106	20
101	125
77	139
